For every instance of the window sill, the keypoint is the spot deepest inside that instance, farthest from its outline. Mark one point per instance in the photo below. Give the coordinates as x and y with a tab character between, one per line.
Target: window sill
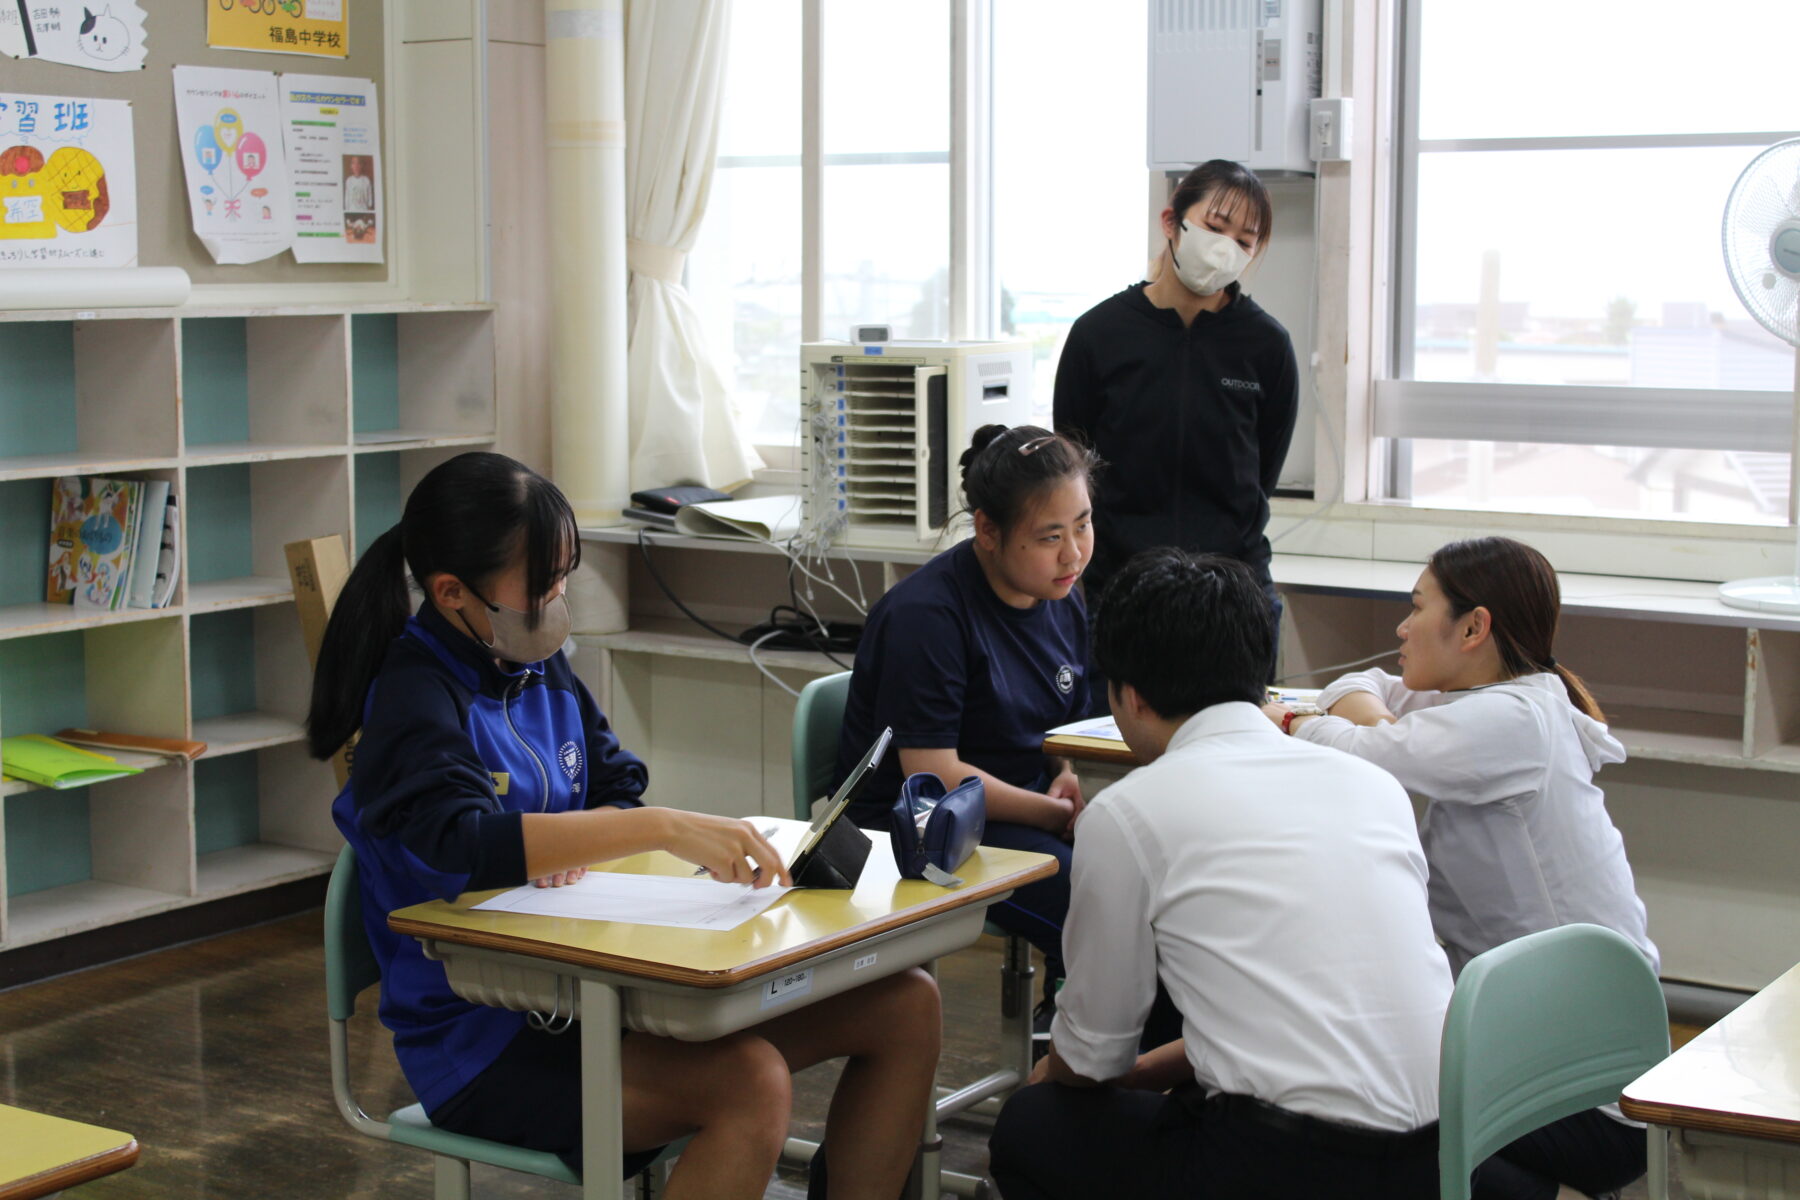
1644	547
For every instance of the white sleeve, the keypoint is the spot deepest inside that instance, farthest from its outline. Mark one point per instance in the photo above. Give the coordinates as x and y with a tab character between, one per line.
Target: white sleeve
1109	949
1477	750
1396	696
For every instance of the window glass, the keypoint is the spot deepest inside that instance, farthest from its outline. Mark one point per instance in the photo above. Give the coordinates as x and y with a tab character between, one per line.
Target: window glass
1071	193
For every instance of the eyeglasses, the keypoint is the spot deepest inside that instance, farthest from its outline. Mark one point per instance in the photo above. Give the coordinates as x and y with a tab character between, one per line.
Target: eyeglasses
1036	444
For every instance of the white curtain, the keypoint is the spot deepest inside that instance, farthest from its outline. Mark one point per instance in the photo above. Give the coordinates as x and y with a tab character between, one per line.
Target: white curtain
683	424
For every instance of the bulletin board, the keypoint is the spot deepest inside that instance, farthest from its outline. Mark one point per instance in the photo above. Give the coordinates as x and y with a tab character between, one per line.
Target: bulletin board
176	33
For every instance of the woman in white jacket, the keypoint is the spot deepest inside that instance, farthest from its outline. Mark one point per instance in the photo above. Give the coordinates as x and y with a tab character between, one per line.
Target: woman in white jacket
1502	742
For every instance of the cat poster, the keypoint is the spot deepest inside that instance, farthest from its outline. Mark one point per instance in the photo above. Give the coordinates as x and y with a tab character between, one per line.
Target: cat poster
101	35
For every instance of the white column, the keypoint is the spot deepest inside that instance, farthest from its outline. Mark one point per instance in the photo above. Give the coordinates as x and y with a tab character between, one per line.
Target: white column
585	56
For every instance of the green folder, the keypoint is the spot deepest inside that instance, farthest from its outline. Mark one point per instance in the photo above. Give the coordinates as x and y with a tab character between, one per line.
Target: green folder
47	762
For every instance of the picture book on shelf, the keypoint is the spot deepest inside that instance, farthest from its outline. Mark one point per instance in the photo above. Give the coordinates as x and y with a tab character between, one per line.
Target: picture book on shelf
93	536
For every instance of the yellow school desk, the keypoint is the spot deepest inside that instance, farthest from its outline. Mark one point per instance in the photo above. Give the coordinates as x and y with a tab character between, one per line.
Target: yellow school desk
698	984
1732	1095
40	1155
1089	750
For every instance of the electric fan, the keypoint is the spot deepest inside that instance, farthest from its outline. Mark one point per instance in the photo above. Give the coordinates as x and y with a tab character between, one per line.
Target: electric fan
1762	256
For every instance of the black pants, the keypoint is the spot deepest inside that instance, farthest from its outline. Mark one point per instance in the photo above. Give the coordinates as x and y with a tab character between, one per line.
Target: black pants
1035	912
1589	1151
530	1096
1052	1141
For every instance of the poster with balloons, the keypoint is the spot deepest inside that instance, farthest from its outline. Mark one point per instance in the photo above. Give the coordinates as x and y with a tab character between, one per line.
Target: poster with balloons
228	125
68	182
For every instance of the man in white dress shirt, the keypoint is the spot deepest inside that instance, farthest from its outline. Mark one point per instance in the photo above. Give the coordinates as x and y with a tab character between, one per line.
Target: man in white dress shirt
1279	890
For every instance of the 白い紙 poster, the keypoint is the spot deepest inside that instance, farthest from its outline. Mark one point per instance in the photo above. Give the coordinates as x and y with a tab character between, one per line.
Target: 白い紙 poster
228	132
333	136
68	182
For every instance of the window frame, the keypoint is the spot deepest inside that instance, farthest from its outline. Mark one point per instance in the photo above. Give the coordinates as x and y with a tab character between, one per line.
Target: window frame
974	298
1402	408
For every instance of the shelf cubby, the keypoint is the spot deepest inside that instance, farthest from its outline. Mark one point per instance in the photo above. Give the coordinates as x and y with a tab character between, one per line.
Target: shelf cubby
261	818
1696	716
84	857
251	680
24	539
264	388
422	379
1772	692
240	515
383	481
24	560
127	678
87	397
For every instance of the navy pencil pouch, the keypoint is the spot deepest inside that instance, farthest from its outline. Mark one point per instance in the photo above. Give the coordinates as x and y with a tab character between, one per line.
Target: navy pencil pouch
934	831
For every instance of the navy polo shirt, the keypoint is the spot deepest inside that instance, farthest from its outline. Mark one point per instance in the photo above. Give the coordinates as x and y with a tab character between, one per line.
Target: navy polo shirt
947	663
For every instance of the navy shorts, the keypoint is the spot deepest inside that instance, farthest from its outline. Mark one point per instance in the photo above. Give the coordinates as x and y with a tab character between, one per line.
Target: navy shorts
530	1096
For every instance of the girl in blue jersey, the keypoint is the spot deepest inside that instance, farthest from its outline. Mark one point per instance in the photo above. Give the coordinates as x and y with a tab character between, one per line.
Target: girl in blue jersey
974	655
483	762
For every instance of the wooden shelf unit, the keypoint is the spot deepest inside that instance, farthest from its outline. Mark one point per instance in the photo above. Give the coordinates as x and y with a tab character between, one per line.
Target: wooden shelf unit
271	424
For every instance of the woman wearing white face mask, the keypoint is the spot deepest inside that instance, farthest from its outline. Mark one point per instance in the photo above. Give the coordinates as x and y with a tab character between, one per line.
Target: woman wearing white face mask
1186	387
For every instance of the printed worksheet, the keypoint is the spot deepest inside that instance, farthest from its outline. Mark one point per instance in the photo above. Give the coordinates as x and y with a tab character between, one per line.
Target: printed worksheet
68	182
1104	728
673	901
332	130
228	130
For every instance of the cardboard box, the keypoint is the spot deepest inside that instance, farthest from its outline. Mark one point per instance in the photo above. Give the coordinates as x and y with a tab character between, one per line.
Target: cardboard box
318	568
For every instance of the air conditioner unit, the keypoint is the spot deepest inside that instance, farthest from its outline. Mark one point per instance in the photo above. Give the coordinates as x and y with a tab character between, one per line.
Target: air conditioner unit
1232	79
886	426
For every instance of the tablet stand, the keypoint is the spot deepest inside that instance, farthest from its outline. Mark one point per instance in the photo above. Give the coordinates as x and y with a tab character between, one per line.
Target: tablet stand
837	861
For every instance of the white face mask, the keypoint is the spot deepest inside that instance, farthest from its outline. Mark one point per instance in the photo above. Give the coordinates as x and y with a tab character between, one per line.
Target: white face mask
1207	262
514	642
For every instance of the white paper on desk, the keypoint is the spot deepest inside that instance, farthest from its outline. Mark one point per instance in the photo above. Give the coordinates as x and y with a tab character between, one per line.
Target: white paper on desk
768	518
1104	728
674	901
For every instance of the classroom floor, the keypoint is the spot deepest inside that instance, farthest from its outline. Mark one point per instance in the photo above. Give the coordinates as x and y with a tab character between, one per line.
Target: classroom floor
213	1055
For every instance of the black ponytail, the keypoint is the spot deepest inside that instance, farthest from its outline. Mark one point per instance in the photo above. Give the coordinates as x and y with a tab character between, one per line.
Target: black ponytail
470	517
1004	470
370	612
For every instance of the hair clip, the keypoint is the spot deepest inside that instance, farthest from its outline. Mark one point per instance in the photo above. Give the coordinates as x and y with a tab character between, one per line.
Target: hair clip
1036	444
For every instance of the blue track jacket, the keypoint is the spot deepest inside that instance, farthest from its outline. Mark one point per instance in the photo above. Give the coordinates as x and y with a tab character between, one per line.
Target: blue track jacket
454	751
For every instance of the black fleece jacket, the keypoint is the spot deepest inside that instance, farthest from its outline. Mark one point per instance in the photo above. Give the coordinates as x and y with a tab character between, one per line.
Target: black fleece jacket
1193	422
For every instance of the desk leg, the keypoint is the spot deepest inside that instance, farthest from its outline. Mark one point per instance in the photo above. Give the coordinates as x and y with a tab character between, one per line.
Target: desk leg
925	1182
1657	1180
601	1138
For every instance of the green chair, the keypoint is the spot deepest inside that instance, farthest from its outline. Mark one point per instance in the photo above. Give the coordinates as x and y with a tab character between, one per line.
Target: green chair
818	717
350	967
1544	1026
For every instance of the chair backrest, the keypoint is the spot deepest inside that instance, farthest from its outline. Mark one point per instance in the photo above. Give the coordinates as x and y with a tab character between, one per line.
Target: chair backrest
818	715
1544	1026
350	965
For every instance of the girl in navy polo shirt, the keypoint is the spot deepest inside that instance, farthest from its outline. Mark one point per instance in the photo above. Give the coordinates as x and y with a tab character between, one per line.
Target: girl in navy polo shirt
974	655
484	763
